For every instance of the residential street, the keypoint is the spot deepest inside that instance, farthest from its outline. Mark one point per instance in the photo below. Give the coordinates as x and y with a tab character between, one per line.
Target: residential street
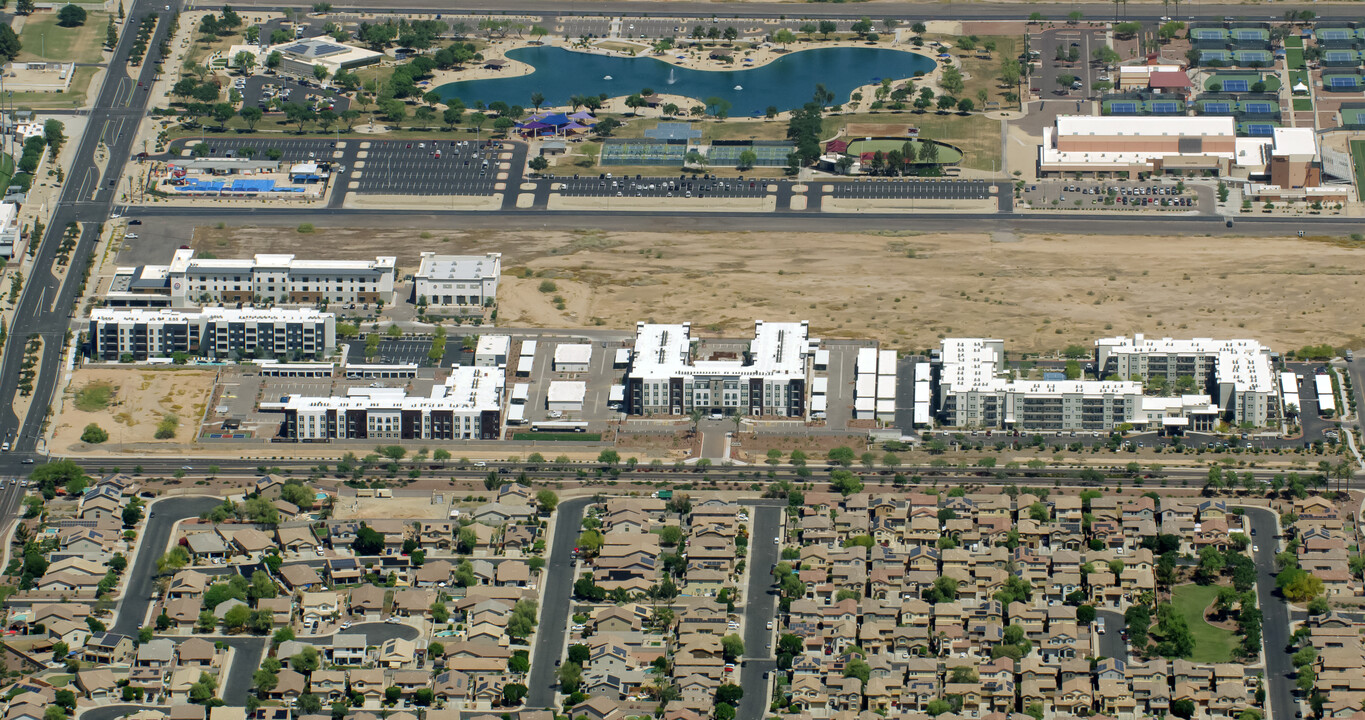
1275	613
156	536
760	601
554	604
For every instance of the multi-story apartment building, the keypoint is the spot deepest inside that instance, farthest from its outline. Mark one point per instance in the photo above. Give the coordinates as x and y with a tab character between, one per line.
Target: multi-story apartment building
211	332
189	281
468	406
1237	373
769	379
972	392
457	281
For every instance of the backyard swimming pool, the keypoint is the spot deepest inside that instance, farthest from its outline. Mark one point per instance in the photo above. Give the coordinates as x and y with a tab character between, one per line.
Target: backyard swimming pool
786	83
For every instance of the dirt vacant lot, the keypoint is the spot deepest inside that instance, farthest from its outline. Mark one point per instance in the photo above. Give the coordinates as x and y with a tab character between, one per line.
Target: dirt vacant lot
130	404
1039	293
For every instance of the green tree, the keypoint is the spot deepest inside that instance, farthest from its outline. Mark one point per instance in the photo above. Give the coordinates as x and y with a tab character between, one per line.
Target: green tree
732	646
94	434
71	16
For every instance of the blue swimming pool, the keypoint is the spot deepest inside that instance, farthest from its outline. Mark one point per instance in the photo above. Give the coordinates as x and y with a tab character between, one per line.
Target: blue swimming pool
786	83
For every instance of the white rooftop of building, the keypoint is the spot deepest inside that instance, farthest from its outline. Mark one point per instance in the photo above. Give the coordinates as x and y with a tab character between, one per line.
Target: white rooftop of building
458	267
1243	362
664	351
567	391
184	261
493	345
976	363
1147	126
468	389
576	353
1297	142
219	314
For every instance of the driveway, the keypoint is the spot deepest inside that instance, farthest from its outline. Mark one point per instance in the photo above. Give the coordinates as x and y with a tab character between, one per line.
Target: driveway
1112	644
760	600
554	604
1275	611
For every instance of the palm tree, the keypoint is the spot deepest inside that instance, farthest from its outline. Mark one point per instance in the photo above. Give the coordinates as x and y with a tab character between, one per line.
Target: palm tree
695	415
737	419
537	100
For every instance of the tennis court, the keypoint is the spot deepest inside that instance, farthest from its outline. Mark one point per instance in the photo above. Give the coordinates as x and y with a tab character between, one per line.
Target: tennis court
1335	34
1248	34
769	154
1247	57
1236	85
1210	34
1340	57
1165	107
1259	108
1341	83
1220	107
947	155
628	151
1353	116
674	131
1208	56
1122	107
1260	129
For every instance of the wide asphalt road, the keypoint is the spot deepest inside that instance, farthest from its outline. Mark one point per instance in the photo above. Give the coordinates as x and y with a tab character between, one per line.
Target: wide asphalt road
178	223
760	608
132	608
1279	671
875	9
555	594
47	304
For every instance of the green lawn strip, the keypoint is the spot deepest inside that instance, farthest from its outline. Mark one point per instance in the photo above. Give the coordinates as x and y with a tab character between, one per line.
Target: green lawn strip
1303	104
1211	644
1293	42
1294	58
557	436
1358	159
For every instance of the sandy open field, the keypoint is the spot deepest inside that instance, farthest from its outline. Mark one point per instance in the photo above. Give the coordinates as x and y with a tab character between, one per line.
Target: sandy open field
139	400
1039	293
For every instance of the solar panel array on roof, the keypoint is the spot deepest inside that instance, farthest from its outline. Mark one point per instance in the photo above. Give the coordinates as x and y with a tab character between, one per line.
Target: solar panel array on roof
1236	85
297	49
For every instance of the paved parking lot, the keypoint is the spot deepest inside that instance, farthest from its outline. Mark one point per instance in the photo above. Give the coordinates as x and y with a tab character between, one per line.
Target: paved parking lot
289	90
398	351
292	150
1126	195
1068	38
839	408
434	167
680	186
912	189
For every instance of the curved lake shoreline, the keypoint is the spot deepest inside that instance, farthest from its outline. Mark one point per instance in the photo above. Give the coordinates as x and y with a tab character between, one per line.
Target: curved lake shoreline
785	83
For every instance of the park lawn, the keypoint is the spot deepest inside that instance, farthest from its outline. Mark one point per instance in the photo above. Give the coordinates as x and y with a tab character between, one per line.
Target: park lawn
45	40
980	73
6	170
1293	41
1303	104
977	136
1293	58
1211	644
1358	160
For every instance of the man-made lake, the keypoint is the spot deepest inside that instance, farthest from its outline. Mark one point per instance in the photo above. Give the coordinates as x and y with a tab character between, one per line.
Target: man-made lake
786	83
